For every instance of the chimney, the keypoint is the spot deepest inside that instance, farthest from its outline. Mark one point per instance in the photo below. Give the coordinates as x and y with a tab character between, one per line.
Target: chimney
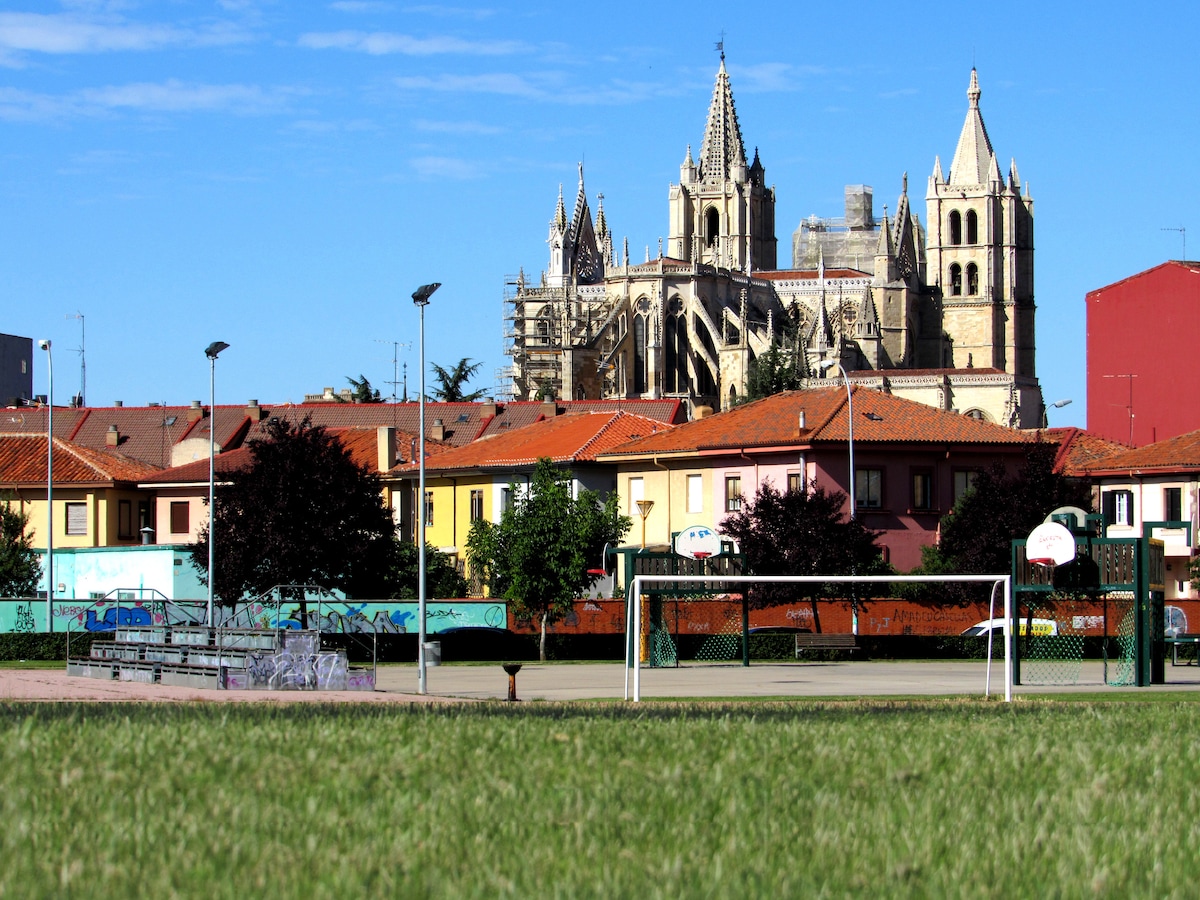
118	403
803	421
487	409
195	411
254	411
113	437
549	408
438	431
387	447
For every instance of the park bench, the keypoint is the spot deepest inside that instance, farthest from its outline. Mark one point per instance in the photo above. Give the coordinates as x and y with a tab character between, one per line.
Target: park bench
821	641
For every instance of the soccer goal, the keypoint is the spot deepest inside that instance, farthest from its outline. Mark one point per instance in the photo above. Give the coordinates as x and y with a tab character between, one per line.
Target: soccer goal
642	591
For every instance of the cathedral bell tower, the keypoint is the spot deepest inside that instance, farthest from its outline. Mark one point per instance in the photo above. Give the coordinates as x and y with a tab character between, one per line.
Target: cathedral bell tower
722	212
980	253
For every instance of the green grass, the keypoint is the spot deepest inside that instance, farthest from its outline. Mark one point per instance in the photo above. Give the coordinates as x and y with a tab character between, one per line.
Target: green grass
927	798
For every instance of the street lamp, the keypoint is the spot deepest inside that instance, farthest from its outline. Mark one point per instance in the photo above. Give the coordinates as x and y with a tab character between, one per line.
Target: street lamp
644	507
45	345
212	351
825	366
421	298
1058	404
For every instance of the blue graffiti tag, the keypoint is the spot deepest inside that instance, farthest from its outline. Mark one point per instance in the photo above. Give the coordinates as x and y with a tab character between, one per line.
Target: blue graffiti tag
118	617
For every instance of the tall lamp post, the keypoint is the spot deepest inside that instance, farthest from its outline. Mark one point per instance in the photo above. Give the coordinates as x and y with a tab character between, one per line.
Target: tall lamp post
421	298
824	366
212	351
1058	404
45	345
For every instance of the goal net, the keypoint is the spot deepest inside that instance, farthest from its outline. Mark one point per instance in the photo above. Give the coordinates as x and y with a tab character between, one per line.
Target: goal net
674	617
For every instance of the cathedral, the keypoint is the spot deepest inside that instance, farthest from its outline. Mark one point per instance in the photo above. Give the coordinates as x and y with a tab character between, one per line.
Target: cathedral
942	314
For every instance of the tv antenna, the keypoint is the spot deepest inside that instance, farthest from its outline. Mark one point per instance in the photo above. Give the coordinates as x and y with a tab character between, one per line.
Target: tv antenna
82	357
1129	406
1182	234
395	382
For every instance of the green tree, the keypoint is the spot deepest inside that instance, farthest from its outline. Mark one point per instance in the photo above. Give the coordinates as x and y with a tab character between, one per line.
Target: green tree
538	555
802	532
977	534
302	512
452	382
20	567
773	372
363	392
442	579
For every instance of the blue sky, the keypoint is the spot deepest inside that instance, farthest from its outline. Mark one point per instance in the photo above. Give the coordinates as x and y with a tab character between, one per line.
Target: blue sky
282	176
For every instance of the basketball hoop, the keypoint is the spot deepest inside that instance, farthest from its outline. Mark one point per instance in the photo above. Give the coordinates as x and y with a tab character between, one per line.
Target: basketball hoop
1050	544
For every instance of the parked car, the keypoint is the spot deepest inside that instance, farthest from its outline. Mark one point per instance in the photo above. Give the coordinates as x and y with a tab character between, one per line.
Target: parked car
1036	627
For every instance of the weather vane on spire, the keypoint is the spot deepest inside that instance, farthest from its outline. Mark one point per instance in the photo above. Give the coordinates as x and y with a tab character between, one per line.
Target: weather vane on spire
721	45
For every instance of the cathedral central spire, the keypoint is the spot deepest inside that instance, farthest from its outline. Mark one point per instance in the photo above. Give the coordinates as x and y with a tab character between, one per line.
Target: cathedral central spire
722	149
973	157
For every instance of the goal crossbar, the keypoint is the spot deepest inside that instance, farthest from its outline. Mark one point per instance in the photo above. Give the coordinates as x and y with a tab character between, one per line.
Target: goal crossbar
633	611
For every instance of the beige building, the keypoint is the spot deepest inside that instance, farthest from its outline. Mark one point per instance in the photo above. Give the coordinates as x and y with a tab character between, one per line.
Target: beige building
943	315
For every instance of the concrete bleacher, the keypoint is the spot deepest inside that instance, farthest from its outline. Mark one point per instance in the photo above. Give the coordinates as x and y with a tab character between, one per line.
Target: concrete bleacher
222	659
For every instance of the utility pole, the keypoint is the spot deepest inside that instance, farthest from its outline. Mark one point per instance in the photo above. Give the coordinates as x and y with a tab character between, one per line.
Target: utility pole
82	358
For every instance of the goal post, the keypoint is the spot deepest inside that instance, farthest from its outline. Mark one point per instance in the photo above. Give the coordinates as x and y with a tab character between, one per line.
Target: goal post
634	599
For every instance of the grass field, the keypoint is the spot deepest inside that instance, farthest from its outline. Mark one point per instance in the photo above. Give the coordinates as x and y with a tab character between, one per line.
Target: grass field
926	798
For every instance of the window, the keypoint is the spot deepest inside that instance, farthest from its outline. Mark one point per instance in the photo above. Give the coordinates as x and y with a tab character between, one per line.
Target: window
964	480
972	279
695	493
1118	508
733	493
712	227
428	508
795	481
639	354
637	491
180	517
505	500
922	490
1173	504
955	280
956	227
972	227
124	519
868	488
476	505
76	518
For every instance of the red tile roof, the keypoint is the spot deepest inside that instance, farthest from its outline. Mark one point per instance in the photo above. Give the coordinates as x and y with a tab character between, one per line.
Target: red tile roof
574	438
809	274
1177	454
1079	450
23	463
775	422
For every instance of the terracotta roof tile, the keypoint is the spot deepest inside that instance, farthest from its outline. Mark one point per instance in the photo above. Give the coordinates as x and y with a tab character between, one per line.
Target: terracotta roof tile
23	463
775	421
1177	454
574	438
1079	450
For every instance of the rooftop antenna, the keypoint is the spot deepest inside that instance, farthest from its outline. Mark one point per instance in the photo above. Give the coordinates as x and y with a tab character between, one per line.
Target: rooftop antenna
1183	234
82	357
396	345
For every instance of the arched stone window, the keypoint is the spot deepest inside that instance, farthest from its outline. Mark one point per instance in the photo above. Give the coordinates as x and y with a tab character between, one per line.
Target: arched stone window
639	354
675	349
955	227
955	280
972	279
712	227
972	227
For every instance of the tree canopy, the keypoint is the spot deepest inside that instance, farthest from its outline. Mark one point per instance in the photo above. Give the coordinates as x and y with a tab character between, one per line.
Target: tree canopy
303	512
802	532
771	373
538	555
20	567
363	392
452	382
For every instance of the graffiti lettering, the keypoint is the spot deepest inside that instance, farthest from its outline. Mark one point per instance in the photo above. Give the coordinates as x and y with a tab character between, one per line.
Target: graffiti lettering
118	617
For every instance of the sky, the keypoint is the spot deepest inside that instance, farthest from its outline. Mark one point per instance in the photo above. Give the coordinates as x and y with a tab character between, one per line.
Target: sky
282	176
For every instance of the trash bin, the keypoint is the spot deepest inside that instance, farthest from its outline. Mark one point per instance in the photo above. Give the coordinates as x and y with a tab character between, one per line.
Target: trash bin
433	653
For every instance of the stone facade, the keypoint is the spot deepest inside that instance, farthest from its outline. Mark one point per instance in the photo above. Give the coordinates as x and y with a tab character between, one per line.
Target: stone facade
946	317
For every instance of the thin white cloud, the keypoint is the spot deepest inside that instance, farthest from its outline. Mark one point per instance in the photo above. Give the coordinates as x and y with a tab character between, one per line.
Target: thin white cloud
451	12
68	33
495	83
446	167
170	96
380	43
360	6
545	86
468	128
179	96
